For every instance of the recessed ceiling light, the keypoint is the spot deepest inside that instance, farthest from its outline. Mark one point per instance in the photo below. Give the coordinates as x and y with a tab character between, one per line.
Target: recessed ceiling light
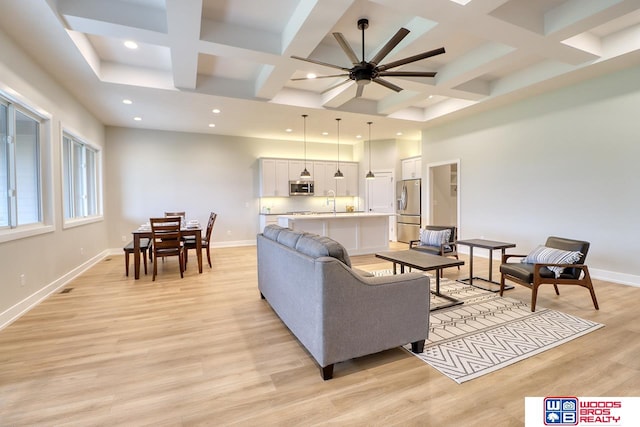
399	133
131	44
216	111
127	101
212	125
311	76
288	130
137	119
358	136
325	133
430	96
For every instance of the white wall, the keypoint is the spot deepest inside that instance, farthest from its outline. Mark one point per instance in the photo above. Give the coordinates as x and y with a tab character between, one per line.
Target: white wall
563	163
149	172
46	259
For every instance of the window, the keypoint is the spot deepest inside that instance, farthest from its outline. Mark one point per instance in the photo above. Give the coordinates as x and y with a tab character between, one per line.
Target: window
20	167
80	178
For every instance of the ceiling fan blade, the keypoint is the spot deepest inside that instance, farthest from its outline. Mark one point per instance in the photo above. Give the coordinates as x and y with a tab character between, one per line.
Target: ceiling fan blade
320	77
313	61
407	73
410	59
392	43
335	86
387	84
359	91
346	48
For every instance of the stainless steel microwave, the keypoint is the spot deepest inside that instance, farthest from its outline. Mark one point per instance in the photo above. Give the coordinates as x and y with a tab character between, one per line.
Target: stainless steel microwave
301	188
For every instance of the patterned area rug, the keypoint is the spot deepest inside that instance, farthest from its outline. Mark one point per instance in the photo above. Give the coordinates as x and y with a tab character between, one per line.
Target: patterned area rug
489	332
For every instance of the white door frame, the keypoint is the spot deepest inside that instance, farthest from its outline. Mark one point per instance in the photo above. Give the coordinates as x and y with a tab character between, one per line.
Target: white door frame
429	190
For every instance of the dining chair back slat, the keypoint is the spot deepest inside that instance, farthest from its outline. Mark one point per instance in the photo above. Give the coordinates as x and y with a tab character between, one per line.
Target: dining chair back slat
167	240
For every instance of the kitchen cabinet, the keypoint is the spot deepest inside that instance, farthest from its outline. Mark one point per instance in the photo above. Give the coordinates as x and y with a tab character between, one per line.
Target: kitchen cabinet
412	168
297	166
267	219
323	179
348	186
274	178
359	233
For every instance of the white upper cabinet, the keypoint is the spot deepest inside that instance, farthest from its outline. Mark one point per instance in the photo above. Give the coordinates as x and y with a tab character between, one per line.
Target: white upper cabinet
274	178
412	168
323	177
297	166
348	186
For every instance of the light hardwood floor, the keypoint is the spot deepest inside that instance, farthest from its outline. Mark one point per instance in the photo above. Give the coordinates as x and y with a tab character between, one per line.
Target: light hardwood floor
206	350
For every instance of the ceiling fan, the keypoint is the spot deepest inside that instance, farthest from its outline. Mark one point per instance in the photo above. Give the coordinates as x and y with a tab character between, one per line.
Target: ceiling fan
364	72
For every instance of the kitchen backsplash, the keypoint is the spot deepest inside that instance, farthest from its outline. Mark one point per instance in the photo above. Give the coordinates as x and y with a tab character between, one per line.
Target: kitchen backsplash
282	205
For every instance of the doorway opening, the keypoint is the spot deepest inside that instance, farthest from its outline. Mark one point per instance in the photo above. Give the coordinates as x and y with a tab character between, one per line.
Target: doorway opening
443	195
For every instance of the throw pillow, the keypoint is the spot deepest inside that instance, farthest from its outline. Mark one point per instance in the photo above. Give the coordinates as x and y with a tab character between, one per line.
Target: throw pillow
545	255
434	237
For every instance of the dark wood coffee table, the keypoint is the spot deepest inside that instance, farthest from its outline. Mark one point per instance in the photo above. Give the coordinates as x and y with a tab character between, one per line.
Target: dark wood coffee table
423	262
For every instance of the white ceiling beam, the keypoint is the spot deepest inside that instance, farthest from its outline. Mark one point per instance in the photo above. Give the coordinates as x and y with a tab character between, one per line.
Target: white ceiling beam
183	23
311	21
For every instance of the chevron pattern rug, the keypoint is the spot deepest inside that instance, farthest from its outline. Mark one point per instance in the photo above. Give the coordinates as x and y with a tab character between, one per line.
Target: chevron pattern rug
489	332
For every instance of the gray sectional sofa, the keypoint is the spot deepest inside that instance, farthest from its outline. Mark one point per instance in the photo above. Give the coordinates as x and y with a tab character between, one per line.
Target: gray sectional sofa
337	312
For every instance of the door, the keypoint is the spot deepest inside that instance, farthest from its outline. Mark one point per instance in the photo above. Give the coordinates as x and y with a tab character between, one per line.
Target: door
380	197
444	199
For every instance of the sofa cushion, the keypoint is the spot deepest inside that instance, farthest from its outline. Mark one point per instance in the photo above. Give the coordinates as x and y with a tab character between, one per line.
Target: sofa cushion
289	237
316	246
544	255
271	231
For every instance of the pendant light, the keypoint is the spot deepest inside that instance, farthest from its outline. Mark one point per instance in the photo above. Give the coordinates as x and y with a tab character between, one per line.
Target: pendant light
305	173
338	174
370	174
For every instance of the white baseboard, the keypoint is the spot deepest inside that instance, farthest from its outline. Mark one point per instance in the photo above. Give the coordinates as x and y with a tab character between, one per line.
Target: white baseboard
13	313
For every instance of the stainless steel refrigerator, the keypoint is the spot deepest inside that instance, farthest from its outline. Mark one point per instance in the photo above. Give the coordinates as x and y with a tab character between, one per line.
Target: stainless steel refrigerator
408	195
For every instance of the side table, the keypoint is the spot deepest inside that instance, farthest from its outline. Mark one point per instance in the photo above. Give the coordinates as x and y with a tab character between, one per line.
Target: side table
491	245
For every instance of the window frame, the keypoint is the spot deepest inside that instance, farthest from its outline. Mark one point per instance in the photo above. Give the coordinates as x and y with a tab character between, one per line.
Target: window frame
75	138
19	103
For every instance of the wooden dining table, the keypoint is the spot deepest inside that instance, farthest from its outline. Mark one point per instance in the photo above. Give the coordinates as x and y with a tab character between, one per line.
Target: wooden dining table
143	232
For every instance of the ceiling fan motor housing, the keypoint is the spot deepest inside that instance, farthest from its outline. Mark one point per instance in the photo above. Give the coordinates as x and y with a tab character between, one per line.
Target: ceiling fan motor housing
363	73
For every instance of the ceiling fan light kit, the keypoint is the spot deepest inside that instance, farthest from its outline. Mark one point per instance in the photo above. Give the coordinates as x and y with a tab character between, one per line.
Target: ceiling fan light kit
364	72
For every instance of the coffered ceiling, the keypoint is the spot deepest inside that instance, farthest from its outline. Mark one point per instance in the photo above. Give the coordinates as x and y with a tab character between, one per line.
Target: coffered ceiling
235	55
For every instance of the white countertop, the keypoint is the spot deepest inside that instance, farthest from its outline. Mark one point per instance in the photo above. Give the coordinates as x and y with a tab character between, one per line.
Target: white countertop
330	215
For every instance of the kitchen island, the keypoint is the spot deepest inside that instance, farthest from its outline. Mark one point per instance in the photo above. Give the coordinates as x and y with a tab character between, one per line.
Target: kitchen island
359	233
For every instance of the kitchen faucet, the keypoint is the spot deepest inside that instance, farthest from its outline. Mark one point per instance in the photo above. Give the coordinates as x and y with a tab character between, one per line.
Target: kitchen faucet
333	195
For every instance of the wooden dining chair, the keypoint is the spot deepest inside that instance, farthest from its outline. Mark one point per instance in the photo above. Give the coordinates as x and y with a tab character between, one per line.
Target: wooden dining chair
167	241
181	214
145	246
206	240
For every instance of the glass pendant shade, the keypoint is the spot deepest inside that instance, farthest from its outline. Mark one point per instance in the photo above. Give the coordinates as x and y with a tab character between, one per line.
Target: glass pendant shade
370	174
338	174
305	174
